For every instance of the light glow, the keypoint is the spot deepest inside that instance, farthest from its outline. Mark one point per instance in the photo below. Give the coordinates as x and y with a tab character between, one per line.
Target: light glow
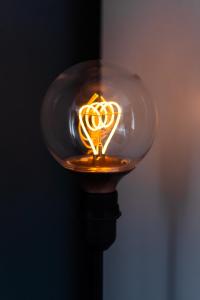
98	121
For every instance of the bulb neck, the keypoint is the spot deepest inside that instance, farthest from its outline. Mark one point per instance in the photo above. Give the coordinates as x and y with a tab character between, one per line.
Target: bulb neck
99	183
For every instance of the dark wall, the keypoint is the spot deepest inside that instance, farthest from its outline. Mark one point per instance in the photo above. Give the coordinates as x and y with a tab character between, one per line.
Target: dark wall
41	255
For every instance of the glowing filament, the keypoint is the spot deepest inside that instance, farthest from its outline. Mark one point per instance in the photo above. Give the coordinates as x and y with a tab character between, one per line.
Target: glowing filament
98	121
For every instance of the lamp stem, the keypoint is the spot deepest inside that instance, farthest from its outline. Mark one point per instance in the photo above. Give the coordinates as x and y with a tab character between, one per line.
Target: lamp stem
96	275
100	213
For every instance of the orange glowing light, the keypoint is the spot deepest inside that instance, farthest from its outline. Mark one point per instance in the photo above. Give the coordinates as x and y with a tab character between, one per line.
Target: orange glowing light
98	121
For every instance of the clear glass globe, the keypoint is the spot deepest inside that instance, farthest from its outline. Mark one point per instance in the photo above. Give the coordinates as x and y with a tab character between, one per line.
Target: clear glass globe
99	118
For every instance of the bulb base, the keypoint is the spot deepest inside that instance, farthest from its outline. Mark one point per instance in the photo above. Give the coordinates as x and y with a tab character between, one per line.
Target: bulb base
100	213
97	174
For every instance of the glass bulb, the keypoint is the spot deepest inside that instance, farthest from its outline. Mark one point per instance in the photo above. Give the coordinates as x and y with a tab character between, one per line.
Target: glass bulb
99	118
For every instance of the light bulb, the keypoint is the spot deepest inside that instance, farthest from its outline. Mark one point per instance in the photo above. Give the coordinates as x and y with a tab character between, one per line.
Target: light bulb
98	118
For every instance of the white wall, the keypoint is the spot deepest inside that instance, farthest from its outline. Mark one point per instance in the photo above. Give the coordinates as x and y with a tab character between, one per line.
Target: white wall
157	253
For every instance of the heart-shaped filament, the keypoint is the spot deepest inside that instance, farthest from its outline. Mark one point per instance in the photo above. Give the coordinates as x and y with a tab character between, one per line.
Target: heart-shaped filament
98	121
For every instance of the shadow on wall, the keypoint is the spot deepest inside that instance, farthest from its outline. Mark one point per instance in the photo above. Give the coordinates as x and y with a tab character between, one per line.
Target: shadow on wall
41	253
